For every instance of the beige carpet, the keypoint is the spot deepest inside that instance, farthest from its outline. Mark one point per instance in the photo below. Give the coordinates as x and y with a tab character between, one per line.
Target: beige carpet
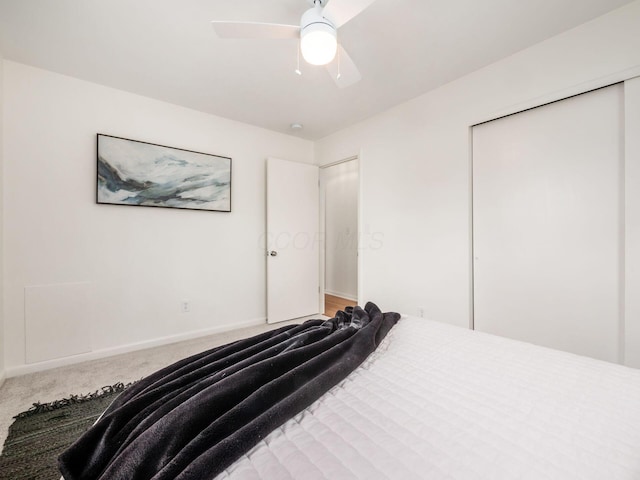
19	393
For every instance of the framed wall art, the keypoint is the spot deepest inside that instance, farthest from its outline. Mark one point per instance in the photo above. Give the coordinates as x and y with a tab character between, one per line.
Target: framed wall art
131	172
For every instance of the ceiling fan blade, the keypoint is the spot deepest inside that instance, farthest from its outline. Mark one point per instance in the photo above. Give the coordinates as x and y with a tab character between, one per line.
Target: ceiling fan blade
340	12
255	30
343	71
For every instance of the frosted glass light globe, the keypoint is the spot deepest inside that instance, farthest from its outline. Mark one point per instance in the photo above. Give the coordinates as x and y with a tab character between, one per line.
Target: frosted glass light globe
318	44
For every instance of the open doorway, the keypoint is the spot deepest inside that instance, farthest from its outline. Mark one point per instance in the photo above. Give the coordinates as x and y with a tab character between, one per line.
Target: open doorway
339	212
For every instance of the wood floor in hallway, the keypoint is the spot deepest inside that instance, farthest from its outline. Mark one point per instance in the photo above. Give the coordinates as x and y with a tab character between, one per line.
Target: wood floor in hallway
332	304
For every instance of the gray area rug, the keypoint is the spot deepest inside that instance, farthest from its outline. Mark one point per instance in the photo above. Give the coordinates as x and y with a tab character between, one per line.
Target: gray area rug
39	435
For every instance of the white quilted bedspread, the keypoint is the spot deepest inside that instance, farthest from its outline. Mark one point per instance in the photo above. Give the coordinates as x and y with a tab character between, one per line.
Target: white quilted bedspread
441	402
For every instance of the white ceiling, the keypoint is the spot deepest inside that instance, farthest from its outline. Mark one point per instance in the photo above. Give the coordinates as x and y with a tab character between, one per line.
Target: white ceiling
166	49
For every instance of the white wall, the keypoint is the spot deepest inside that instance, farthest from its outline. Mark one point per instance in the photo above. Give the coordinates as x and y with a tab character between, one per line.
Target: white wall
2	336
416	161
141	261
340	184
138	263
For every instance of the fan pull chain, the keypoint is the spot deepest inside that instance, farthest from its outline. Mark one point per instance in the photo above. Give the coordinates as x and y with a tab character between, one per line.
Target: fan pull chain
339	74
297	70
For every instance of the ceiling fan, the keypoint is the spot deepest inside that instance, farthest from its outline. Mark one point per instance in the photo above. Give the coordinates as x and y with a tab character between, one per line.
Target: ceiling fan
317	34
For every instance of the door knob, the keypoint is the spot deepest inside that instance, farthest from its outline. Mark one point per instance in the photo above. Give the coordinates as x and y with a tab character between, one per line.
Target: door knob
273	253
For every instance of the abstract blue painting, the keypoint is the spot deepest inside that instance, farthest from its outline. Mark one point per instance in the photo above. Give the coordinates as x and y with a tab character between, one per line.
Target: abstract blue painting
138	173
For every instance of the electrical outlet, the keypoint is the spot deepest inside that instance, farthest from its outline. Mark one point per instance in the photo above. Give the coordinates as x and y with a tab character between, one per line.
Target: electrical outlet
185	306
421	312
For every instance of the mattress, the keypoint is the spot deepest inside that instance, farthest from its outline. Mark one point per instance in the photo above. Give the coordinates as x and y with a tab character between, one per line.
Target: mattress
441	402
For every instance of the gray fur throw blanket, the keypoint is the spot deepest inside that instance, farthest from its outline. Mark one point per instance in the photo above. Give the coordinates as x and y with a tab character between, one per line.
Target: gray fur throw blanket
193	419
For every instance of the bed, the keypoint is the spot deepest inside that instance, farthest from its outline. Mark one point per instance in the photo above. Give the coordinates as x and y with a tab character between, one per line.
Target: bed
441	402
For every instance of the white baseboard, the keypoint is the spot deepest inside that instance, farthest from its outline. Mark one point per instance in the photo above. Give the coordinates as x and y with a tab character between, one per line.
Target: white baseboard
346	296
3	377
132	347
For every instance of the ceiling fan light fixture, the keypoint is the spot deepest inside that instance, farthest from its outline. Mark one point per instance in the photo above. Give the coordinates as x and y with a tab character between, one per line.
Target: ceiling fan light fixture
318	38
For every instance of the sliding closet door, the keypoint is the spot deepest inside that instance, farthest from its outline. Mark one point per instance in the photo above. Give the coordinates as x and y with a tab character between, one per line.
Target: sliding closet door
547	229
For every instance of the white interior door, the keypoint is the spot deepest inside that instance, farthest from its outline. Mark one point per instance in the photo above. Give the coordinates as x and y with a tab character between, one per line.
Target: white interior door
547	228
293	250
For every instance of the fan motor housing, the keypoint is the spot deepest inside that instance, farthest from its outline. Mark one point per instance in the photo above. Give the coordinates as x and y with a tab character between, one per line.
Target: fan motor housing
313	17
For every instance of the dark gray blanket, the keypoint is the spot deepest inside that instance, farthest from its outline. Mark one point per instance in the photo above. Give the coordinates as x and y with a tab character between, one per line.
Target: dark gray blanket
193	419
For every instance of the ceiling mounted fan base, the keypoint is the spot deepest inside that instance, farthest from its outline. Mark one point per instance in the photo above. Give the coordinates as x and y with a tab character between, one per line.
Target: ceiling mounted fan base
323	3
